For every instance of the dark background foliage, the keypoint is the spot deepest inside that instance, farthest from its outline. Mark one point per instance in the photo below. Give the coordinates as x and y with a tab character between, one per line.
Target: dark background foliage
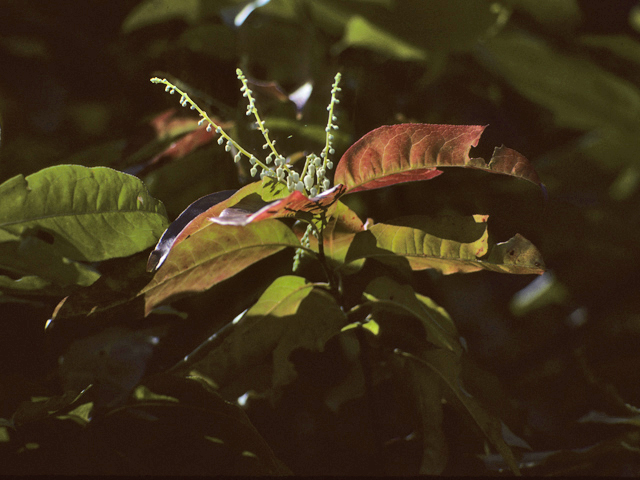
557	81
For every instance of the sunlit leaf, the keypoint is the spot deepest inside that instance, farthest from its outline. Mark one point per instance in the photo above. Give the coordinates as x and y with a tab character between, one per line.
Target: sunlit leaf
449	244
411	152
213	254
386	294
290	314
87	214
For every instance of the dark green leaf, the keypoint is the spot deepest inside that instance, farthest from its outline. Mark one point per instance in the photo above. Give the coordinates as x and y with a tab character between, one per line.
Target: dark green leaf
290	314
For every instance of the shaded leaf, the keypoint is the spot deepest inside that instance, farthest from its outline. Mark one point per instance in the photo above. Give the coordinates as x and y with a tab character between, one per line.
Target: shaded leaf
440	330
428	393
578	92
449	244
412	152
359	32
87	214
213	254
30	255
290	314
446	365
156	11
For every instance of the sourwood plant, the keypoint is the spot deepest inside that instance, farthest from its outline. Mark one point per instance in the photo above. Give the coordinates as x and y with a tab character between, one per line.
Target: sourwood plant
59	226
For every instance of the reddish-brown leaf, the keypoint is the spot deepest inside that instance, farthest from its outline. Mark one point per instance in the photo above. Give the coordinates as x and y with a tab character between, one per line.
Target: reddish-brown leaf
411	152
285	207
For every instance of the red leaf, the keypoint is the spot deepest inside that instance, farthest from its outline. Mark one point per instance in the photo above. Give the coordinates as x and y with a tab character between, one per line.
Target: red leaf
286	207
411	152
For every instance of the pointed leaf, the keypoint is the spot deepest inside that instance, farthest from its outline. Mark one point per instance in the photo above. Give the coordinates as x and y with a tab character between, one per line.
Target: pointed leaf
447	365
87	214
411	152
290	314
448	244
213	254
389	295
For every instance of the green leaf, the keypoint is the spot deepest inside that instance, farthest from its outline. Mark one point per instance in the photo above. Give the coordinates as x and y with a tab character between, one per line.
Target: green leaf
156	11
30	255
428	392
446	365
386	294
359	32
290	314
143	393
213	254
87	214
449	244
412	152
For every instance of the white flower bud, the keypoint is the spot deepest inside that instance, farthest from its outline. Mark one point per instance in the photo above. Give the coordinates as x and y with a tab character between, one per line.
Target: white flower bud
308	181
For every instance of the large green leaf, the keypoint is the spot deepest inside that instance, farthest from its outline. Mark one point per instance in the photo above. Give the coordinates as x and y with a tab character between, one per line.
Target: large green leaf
290	314
411	152
213	254
389	295
87	214
446	365
449	244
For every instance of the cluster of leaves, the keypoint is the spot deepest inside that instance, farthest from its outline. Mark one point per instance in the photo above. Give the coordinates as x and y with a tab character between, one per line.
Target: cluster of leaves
351	344
70	214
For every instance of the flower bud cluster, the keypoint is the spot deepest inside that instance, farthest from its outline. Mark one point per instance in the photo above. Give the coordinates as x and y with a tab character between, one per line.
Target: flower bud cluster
313	179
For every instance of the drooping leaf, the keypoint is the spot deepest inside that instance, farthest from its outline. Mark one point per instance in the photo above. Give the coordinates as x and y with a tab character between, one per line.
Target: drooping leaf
213	254
440	330
516	255
411	152
87	214
428	393
290	314
448	244
446	365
